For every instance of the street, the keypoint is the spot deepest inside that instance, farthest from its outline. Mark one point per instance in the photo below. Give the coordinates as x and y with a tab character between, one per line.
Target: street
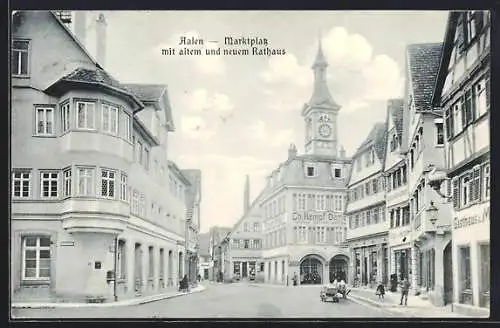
225	301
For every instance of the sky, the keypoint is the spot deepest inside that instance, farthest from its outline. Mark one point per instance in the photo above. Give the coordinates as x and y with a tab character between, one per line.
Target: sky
237	115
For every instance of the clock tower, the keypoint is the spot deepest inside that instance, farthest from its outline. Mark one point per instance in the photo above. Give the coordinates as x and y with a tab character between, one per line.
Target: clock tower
320	113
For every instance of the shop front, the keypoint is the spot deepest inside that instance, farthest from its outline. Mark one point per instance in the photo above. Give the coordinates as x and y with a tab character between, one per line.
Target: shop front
471	259
403	258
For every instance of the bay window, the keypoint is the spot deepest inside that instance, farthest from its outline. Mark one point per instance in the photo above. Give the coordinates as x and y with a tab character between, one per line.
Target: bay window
108	183
85	179
85	115
109	119
65	117
67	182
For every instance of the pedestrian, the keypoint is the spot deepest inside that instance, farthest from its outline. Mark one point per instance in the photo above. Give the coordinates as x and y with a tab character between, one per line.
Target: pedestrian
405	286
295	279
380	290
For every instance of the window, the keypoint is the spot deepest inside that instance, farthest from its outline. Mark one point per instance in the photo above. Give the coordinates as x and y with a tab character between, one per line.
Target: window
465	291
135	202
457	119
123	187
85	118
471	26
67	182
85	178
48	182
146	158
480	93
245	227
20	51
138	153
475	184
456	193
449	123
128	126
338	173
466	190
108	184
310	171
36	258
109	119
247	243
21	184
486	181
467	107
256	227
375	186
439	134
65	117
142	205
44	121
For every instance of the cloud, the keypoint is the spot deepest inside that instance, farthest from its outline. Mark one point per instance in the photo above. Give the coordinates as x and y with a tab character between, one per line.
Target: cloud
286	68
207	64
355	74
201	100
194	127
280	138
355	105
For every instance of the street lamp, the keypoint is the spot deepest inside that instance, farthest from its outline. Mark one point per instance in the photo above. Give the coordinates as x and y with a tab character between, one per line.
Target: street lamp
432	211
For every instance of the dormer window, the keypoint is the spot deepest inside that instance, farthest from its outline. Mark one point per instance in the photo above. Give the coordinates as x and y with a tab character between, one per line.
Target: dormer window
394	142
338	173
310	171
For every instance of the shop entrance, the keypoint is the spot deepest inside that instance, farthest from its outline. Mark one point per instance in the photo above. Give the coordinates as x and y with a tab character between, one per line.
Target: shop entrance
244	270
311	271
339	268
448	275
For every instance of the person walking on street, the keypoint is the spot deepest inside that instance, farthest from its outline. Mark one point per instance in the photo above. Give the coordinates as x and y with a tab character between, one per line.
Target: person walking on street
405	286
380	290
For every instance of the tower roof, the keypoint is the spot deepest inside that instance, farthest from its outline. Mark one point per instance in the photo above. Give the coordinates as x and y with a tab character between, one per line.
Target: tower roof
321	95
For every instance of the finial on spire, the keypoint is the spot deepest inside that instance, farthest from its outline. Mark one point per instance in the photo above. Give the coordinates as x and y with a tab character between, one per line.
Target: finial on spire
320	60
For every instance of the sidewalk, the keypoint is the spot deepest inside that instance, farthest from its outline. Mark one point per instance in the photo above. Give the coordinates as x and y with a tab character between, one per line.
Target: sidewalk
416	307
127	302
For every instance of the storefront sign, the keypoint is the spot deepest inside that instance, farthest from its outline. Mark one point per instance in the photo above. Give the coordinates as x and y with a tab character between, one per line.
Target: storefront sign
480	217
317	216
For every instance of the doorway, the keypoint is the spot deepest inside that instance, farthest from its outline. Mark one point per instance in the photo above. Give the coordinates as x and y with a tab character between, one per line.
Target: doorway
244	270
448	275
311	271
338	268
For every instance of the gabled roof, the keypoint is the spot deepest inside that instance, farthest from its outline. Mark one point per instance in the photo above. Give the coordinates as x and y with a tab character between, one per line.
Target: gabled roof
75	39
377	138
451	26
423	66
395	108
153	93
178	172
146	92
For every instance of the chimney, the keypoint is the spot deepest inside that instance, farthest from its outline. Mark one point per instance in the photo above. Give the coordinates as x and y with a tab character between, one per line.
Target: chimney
292	152
342	152
81	26
246	195
101	40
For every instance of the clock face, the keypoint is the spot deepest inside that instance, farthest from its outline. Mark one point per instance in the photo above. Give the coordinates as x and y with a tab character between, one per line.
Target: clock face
325	130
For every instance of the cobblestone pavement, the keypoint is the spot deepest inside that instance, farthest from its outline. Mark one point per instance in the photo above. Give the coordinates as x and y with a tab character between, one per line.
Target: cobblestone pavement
239	300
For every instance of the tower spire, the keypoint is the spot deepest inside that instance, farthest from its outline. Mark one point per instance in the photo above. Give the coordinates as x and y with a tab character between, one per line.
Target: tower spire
320	61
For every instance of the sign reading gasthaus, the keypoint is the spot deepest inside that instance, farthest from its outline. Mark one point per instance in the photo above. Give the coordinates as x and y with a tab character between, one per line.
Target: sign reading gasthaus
480	217
317	216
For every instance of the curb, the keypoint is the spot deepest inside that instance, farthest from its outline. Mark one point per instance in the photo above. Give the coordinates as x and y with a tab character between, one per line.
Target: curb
150	299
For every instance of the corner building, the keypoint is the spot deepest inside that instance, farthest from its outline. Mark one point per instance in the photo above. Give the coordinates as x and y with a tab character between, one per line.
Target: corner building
92	188
463	91
303	203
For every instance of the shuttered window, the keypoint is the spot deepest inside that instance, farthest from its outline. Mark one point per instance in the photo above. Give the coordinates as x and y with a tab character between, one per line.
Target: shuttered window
456	193
476	184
